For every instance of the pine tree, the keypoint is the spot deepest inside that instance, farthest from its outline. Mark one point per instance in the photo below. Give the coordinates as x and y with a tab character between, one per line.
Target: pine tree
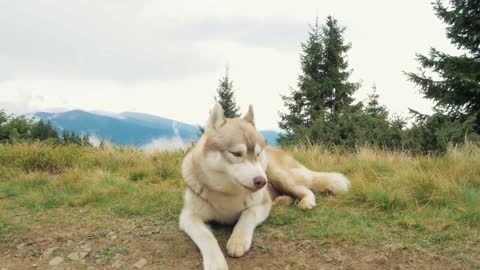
338	89
376	128
225	96
456	87
323	87
306	103
373	106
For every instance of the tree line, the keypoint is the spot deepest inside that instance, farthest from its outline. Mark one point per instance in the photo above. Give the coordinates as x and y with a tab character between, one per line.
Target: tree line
15	129
321	109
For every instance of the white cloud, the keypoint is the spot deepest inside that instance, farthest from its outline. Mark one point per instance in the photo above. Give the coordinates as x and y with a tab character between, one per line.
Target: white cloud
94	140
167	144
163	144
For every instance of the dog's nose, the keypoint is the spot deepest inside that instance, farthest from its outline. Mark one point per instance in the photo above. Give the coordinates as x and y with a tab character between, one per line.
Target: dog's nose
259	182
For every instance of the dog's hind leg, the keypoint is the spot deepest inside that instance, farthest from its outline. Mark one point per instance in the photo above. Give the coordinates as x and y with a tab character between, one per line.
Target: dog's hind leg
290	177
278	198
318	182
332	182
307	198
295	182
283	200
198	231
241	239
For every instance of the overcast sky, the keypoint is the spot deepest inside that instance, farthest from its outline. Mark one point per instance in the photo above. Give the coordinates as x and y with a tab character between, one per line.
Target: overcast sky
166	57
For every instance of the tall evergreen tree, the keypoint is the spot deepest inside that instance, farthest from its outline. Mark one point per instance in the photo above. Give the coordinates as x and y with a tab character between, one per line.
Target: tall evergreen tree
306	103
323	87
338	89
455	88
226	96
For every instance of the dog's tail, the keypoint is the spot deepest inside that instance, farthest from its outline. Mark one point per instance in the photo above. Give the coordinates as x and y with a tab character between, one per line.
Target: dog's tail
329	182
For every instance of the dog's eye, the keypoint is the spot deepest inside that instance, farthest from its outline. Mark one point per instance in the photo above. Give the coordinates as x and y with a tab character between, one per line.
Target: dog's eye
237	154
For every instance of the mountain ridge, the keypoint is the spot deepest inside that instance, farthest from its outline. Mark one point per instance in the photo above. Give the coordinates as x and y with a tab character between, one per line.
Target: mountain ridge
129	128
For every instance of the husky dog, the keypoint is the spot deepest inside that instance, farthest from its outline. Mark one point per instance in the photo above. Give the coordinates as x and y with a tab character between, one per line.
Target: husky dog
232	177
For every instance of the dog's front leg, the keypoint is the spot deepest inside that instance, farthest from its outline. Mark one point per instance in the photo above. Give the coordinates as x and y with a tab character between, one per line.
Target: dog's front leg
241	238
198	231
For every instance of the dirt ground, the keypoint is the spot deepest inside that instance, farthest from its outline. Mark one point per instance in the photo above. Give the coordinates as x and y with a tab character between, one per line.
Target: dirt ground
79	240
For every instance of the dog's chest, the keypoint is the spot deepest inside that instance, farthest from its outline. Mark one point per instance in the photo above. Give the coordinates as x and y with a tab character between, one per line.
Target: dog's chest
227	209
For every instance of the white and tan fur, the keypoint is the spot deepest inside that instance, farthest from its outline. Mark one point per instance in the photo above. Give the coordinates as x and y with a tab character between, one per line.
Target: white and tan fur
226	174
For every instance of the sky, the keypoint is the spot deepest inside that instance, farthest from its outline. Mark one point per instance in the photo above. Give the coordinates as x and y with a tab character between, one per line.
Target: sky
166	57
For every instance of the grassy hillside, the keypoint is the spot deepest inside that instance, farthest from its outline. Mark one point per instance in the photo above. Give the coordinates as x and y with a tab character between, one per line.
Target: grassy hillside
115	206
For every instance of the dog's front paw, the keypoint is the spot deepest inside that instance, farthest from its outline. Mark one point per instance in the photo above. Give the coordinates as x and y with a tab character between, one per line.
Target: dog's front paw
216	264
237	246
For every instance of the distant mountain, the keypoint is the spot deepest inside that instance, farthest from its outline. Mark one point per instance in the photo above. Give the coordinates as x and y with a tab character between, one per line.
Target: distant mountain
271	136
123	129
129	128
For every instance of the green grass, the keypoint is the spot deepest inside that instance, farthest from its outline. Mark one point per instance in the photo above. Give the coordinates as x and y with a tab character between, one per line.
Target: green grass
427	202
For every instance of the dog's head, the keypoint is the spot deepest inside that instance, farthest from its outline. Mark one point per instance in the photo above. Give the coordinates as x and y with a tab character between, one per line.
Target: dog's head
235	149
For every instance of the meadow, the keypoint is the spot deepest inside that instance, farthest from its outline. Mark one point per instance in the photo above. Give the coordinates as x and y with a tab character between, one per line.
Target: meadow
117	208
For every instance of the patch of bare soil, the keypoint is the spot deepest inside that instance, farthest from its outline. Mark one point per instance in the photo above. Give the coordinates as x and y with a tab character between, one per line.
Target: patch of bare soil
76	241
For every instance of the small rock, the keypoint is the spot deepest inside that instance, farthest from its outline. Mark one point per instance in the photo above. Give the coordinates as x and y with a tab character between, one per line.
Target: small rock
34	265
140	264
69	243
111	235
56	261
117	264
98	261
74	256
83	254
48	252
86	247
118	256
137	253
21	246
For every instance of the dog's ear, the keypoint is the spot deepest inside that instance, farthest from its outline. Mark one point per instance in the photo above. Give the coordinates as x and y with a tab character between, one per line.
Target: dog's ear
249	117
217	117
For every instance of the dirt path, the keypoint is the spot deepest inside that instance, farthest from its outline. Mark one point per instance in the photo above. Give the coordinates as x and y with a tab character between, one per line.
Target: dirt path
79	240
